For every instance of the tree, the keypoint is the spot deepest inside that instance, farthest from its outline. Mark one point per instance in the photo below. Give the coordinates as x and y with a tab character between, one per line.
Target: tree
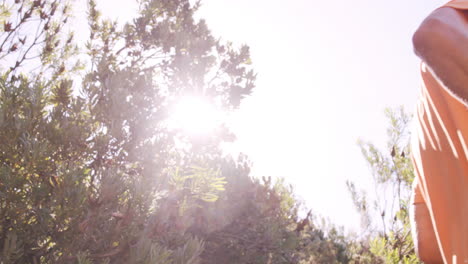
261	223
387	238
90	171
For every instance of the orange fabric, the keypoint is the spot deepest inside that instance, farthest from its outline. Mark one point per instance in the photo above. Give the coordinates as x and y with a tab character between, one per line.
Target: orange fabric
418	197
440	157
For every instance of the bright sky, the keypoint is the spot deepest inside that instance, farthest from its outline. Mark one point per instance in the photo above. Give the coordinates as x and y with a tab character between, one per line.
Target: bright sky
326	71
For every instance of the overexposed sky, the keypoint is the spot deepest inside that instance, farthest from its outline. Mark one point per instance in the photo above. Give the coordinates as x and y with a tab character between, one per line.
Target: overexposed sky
326	71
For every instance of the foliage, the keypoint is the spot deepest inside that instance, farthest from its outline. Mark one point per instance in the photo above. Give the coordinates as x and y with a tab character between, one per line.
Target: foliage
91	172
391	241
86	167
263	225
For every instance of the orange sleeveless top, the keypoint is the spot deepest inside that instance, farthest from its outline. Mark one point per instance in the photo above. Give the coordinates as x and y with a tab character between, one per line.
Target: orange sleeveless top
440	158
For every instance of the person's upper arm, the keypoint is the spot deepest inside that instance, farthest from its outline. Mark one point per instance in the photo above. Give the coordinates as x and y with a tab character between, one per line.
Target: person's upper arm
445	27
442	43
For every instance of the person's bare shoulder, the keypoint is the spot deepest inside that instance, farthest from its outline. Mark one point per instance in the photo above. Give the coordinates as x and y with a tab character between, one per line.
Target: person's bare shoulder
441	41
440	27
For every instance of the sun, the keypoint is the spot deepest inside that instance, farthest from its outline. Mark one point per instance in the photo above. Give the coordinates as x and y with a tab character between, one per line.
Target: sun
195	115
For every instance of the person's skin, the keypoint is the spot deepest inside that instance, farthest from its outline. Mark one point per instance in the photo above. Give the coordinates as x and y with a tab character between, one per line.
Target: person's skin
442	43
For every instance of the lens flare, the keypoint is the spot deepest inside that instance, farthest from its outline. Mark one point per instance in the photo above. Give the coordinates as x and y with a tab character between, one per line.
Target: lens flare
195	115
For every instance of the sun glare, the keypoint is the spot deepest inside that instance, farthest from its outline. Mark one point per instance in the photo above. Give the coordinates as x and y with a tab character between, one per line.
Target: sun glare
195	115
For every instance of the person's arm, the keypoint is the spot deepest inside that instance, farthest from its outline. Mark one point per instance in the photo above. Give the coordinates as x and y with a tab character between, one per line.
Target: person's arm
425	241
442	43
